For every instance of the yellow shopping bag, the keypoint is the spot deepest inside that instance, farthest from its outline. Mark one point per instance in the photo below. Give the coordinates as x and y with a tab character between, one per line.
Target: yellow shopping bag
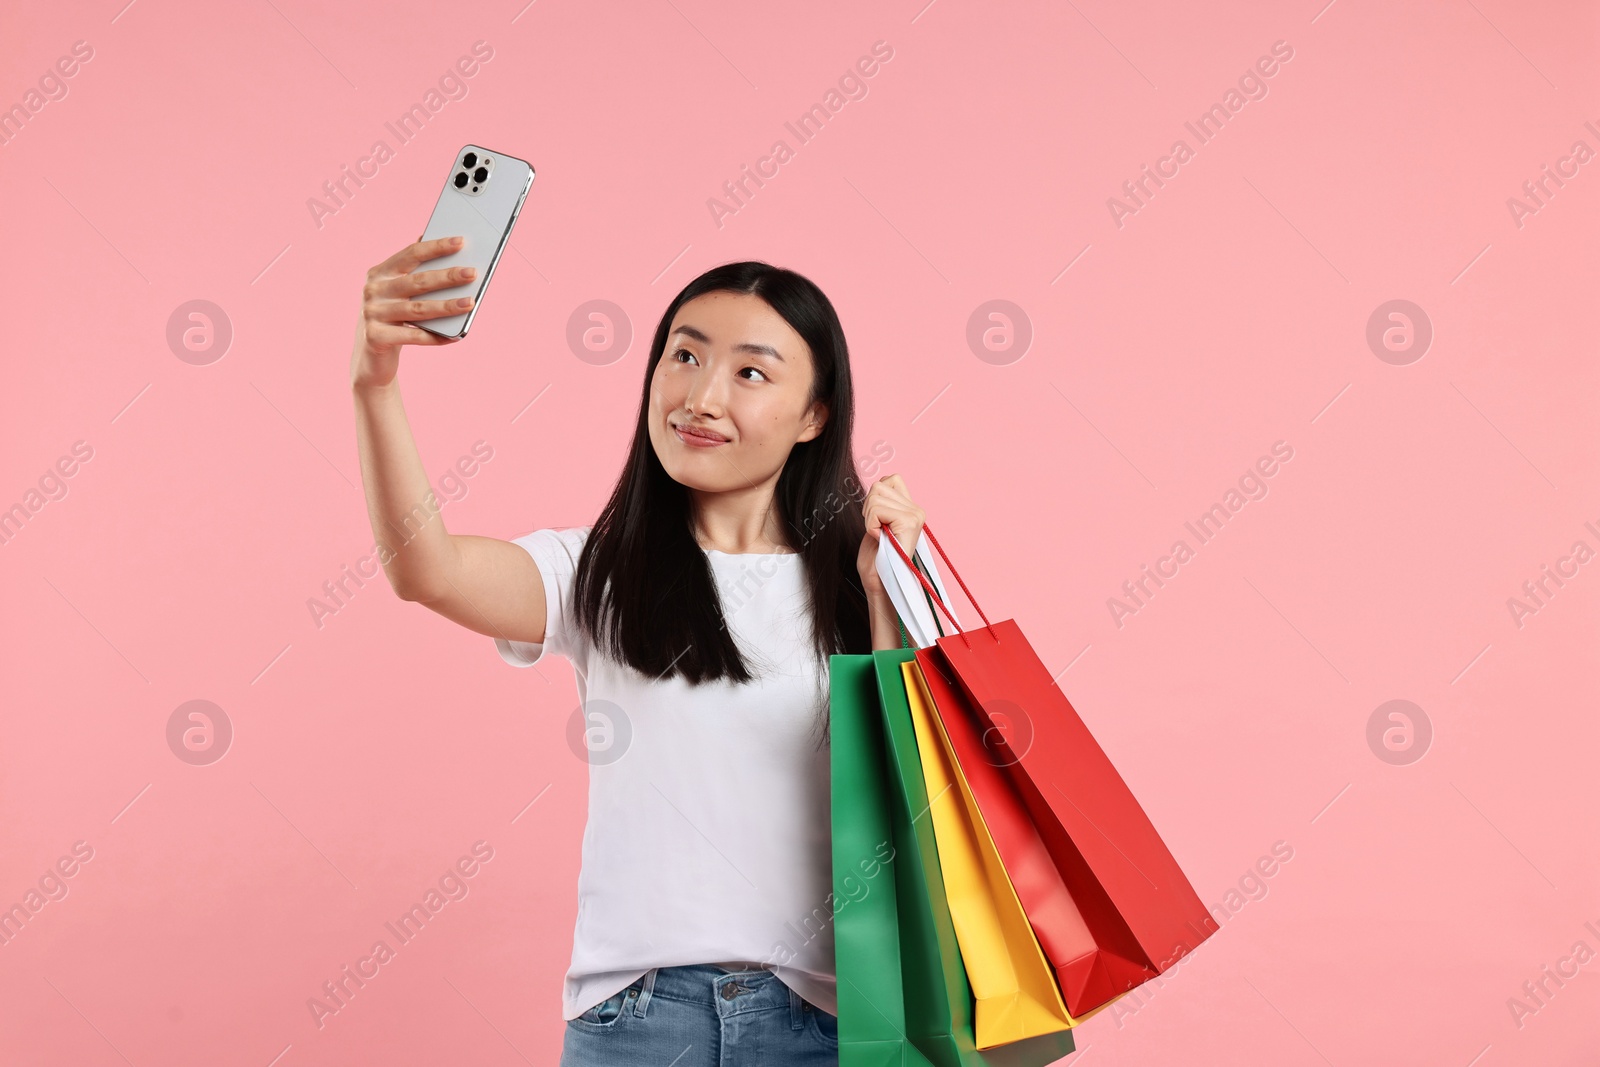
1012	983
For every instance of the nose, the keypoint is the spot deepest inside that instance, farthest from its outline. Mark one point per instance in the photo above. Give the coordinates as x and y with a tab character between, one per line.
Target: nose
707	394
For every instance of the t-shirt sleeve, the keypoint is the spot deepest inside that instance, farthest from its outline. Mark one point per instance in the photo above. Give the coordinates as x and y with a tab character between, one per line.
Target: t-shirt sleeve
555	552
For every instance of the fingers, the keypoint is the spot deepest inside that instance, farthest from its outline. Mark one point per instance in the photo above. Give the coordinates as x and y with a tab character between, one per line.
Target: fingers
884	513
383	333
890	488
905	525
413	310
388	299
889	503
408	285
419	251
427	281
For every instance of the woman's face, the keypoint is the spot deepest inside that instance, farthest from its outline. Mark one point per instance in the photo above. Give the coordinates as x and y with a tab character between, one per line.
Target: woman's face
735	371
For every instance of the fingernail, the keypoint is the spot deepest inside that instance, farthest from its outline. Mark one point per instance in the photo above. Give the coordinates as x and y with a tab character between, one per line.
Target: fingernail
464	302
471	272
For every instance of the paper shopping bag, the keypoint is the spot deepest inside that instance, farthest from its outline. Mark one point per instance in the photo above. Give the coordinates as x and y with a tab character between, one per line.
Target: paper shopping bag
903	994
866	923
912	605
1130	912
1062	926
939	1000
1012	982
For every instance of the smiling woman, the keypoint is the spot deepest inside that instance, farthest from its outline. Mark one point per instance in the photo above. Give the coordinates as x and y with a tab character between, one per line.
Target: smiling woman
691	347
744	425
735	554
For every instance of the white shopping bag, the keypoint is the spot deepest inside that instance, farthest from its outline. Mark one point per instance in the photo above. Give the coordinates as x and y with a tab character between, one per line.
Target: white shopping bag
909	598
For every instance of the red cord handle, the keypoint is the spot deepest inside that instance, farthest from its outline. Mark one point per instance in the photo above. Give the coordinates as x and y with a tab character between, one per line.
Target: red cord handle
932	592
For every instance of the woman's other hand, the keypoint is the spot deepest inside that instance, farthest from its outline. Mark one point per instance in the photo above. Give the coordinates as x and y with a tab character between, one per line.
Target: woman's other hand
888	504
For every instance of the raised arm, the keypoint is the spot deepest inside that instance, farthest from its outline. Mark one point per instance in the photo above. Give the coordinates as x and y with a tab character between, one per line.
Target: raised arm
488	585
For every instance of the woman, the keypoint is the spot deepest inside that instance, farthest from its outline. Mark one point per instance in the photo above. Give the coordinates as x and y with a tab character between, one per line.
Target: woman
734	555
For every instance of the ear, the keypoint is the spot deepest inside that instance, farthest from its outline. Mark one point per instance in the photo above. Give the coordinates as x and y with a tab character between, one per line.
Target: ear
816	419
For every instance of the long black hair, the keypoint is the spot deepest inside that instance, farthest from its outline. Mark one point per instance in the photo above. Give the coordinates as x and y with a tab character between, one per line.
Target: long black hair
643	590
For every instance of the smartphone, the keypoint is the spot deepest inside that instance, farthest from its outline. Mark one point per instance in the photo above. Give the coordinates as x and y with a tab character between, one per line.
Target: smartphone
480	202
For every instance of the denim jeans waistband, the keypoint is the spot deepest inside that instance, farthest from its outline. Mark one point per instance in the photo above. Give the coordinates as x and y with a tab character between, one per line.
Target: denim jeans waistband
731	992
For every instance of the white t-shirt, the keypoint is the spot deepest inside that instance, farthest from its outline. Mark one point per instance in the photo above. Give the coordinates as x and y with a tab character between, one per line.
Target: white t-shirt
708	836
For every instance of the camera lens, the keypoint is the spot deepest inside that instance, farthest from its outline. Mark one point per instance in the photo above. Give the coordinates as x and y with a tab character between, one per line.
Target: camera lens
481	174
461	180
469	160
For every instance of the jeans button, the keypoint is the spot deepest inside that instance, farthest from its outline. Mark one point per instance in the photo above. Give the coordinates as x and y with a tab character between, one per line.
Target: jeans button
730	990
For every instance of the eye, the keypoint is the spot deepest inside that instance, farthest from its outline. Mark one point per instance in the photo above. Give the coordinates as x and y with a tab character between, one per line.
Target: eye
759	371
681	352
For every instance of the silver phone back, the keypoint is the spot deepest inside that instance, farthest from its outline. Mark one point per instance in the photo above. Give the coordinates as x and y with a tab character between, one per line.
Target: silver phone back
483	212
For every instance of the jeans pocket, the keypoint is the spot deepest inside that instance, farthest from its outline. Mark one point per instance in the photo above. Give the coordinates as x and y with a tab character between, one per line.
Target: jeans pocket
604	1015
824	1025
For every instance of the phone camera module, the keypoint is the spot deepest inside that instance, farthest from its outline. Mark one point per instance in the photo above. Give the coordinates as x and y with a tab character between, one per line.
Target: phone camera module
472	176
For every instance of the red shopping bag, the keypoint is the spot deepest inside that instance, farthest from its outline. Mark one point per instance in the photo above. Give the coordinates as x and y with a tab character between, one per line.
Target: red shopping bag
1109	904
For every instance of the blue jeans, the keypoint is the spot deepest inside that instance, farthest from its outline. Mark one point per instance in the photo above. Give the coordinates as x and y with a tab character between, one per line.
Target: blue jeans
703	1016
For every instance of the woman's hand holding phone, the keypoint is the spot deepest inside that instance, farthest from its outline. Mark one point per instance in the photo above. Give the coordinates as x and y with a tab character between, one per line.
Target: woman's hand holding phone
390	301
490	586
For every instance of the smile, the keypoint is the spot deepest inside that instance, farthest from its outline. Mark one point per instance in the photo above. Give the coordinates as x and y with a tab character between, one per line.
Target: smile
697	438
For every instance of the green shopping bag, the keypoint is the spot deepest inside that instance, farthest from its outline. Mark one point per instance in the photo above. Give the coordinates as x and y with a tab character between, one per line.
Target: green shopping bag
903	994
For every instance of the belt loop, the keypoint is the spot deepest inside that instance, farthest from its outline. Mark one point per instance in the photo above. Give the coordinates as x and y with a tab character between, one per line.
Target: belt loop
797	1018
645	990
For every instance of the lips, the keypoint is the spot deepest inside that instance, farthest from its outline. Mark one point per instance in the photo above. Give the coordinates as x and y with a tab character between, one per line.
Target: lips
699	436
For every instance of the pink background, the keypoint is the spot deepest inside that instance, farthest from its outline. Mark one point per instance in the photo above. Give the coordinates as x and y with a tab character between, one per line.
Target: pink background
1229	313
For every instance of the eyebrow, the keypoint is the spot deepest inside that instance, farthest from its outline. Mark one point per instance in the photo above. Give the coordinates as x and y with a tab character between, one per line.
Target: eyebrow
754	349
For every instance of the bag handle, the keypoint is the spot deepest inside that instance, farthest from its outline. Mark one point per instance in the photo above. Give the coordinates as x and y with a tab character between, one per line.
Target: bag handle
937	625
905	638
933	594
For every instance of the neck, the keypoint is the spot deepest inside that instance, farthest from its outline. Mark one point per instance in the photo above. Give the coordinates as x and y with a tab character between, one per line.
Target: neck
739	520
